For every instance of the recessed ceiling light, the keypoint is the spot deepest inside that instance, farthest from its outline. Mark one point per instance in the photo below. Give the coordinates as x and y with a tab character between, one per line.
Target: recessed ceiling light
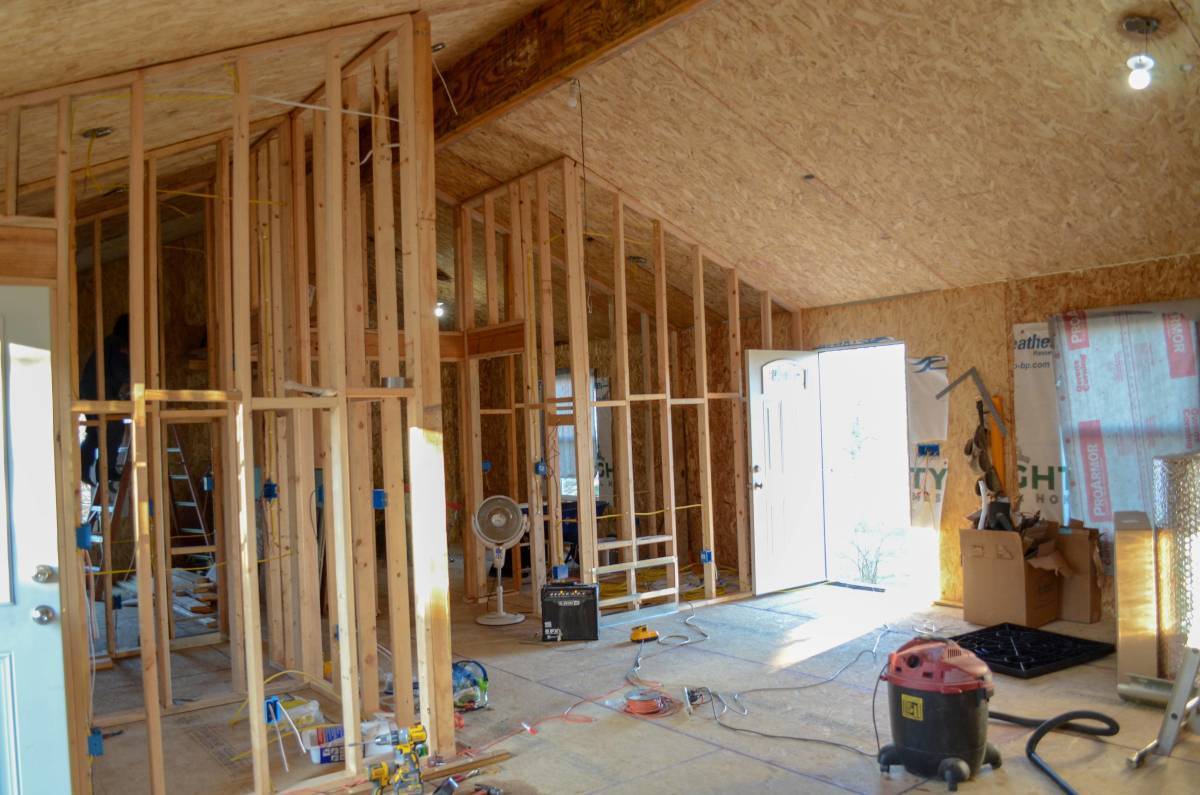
439	46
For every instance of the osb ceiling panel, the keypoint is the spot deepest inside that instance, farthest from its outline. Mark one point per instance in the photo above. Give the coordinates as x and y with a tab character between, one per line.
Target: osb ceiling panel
947	145
48	42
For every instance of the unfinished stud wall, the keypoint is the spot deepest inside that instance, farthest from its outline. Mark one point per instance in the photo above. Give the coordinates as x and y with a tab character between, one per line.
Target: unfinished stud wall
973	327
221	336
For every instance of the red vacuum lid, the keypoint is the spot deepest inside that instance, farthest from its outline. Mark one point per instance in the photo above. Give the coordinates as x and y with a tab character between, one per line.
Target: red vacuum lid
939	666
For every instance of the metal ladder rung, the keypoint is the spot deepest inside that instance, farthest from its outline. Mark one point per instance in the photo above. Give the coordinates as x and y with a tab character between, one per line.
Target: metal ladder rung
174	450
179	477
185	503
194	531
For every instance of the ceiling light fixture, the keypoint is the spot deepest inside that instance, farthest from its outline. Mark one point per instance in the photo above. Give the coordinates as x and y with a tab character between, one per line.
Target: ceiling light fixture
440	309
1140	64
1139	71
97	132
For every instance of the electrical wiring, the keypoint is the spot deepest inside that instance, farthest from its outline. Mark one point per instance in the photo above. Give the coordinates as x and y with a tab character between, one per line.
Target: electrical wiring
733	703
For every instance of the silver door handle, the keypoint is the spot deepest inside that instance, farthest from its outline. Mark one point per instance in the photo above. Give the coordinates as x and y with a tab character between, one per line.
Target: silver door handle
42	614
43	573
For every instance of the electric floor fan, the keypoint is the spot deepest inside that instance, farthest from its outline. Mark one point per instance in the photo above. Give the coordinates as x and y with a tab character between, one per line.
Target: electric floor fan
499	523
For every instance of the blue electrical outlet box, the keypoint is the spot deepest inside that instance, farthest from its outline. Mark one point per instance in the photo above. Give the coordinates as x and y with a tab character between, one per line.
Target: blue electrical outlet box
206	482
706	556
117	601
270	490
558	572
378	499
539	468
95	746
320	496
487	467
83	536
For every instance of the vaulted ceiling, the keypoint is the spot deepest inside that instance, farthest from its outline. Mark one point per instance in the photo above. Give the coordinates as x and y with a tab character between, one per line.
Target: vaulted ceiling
841	152
832	152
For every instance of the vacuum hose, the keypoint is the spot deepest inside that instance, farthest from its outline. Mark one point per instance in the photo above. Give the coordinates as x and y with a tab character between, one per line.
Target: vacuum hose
1066	722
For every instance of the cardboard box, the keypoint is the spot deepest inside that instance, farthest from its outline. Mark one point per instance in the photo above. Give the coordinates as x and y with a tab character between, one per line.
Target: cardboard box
1137	601
1000	586
1079	591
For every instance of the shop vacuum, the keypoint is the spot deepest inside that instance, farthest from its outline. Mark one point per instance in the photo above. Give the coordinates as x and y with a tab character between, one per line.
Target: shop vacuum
938	695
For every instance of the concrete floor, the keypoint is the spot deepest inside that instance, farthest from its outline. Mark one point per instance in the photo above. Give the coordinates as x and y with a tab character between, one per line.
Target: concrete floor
795	638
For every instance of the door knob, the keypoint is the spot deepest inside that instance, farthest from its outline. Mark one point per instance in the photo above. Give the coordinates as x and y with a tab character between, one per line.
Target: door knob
43	573
43	614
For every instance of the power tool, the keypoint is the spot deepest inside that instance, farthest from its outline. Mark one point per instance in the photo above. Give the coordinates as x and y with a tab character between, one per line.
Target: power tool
938	693
403	773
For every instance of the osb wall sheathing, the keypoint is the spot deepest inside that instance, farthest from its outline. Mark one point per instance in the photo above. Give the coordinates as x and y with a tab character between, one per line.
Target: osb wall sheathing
973	327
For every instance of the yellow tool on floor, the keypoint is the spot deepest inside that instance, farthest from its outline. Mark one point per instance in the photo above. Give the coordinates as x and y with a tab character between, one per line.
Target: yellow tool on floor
642	634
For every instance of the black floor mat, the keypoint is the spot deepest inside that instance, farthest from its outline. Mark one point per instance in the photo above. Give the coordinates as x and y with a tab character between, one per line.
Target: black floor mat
1025	653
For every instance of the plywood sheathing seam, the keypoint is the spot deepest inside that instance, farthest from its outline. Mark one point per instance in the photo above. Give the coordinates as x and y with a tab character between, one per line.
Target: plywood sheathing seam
937	160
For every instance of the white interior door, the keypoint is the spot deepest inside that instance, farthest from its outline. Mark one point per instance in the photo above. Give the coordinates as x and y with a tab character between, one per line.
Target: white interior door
785	470
33	713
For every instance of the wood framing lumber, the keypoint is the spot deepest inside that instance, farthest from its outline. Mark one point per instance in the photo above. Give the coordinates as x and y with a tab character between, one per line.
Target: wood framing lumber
327	341
333	372
66	452
140	482
392	425
623	427
580	372
765	318
12	161
284	323
533	417
361	465
663	348
703	443
464	276
500	339
243	428
472	450
230	56
737	375
491	268
160	520
29	254
549	373
548	46
431	578
229	464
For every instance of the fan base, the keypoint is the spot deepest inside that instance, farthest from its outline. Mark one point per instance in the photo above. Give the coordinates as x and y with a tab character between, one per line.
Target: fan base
499	619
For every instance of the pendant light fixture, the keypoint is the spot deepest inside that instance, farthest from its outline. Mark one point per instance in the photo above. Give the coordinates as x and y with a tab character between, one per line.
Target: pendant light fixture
1140	64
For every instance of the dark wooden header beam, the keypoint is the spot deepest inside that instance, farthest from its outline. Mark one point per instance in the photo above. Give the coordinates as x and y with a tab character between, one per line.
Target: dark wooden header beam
551	44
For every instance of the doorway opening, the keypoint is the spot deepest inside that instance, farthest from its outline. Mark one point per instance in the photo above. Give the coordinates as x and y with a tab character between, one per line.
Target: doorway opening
864	451
829	449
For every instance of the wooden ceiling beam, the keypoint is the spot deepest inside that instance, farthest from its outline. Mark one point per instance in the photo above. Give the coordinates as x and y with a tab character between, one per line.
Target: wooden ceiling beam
548	46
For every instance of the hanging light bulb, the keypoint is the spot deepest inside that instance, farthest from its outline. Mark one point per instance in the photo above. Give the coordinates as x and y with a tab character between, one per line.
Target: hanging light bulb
1139	71
439	310
573	94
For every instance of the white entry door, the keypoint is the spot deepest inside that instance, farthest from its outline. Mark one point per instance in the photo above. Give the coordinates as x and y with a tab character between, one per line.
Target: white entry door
788	511
33	712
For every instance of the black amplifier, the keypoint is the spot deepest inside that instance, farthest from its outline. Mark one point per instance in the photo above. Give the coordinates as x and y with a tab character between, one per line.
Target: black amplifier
570	611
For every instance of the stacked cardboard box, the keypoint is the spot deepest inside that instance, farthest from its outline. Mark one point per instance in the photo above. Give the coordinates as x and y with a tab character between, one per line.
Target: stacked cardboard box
1033	577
